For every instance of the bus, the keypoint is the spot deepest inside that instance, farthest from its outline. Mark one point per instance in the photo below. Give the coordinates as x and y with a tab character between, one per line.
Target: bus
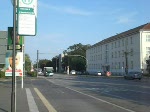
48	71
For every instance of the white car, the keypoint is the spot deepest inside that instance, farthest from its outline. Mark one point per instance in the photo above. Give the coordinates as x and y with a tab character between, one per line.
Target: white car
73	72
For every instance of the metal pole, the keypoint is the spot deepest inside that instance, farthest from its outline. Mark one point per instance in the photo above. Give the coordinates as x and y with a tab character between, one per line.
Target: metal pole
23	63
13	99
56	64
126	59
37	62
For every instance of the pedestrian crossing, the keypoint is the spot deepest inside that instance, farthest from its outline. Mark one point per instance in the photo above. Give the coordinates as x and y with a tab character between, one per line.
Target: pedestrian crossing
31	102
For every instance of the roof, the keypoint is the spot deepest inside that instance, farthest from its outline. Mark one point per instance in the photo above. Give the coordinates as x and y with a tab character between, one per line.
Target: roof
124	34
146	27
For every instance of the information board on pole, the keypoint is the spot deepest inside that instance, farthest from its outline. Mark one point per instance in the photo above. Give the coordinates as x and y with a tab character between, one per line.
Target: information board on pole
27	17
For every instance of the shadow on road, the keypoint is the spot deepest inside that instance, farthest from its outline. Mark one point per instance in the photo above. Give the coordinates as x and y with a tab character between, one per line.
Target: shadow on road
3	110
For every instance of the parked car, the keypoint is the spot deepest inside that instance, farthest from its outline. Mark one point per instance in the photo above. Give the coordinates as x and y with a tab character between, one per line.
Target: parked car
99	73
133	75
40	73
73	72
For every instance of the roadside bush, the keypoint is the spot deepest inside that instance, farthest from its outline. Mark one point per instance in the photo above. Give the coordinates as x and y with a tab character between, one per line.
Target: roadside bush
32	74
146	75
2	74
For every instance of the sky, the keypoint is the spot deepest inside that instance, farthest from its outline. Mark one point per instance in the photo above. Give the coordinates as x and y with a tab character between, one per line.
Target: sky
63	23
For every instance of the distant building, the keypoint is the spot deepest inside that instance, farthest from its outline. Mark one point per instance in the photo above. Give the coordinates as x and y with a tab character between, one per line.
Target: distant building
3	46
121	53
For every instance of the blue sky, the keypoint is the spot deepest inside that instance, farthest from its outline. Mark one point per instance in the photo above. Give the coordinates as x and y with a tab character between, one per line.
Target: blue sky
62	23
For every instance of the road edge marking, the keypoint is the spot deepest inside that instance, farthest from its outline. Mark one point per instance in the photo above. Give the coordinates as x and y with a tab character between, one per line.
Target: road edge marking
31	102
104	101
47	104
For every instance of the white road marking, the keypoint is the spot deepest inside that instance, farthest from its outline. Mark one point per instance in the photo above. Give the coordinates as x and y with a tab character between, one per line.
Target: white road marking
49	107
104	101
31	103
101	100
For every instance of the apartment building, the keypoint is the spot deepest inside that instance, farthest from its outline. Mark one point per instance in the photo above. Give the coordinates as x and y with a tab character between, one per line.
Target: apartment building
124	52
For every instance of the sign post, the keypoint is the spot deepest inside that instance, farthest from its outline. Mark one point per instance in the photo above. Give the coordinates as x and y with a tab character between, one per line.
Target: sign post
24	24
13	94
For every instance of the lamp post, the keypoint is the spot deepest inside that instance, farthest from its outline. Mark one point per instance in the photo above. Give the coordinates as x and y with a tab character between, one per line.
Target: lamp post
37	62
126	59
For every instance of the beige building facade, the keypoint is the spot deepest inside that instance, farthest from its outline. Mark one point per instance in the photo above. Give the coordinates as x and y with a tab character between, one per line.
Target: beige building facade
119	54
3	46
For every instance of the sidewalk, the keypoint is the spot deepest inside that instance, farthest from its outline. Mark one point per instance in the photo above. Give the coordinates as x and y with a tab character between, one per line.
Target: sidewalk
5	97
26	98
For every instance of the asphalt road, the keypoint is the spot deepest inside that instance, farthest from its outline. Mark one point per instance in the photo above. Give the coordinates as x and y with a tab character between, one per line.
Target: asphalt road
94	94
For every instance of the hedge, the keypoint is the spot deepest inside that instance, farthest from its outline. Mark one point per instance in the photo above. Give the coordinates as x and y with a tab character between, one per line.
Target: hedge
2	74
32	74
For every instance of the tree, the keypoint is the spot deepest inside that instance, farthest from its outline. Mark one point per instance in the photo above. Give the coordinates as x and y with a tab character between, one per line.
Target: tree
75	60
45	63
27	63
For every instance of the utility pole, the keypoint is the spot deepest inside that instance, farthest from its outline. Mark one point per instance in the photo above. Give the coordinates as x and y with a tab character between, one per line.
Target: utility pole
37	62
126	60
56	64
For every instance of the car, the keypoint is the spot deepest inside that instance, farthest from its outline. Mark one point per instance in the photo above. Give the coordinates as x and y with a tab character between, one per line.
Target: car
40	73
133	75
98	73
73	72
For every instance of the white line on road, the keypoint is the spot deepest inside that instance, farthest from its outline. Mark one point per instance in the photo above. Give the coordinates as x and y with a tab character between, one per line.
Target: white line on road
49	107
31	103
101	100
104	101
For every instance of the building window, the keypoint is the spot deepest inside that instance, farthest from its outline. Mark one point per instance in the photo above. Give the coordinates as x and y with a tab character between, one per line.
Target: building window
112	55
106	46
126	41
147	38
122	53
131	64
123	64
115	45
148	50
119	65
122	42
112	45
119	43
115	54
119	53
131	52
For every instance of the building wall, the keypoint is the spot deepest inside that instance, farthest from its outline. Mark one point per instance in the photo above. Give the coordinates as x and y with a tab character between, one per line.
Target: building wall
3	47
112	53
145	48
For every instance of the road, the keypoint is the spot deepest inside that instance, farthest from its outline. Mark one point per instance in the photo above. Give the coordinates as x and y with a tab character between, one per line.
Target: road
94	94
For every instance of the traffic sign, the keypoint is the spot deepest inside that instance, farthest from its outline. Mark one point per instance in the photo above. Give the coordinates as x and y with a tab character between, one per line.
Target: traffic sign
27	17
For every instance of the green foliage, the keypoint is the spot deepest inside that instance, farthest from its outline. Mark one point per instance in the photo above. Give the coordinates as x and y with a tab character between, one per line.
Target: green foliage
146	75
27	63
45	63
32	74
2	74
77	59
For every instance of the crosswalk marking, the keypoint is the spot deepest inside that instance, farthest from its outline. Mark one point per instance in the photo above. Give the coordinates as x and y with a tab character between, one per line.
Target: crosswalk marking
31	103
